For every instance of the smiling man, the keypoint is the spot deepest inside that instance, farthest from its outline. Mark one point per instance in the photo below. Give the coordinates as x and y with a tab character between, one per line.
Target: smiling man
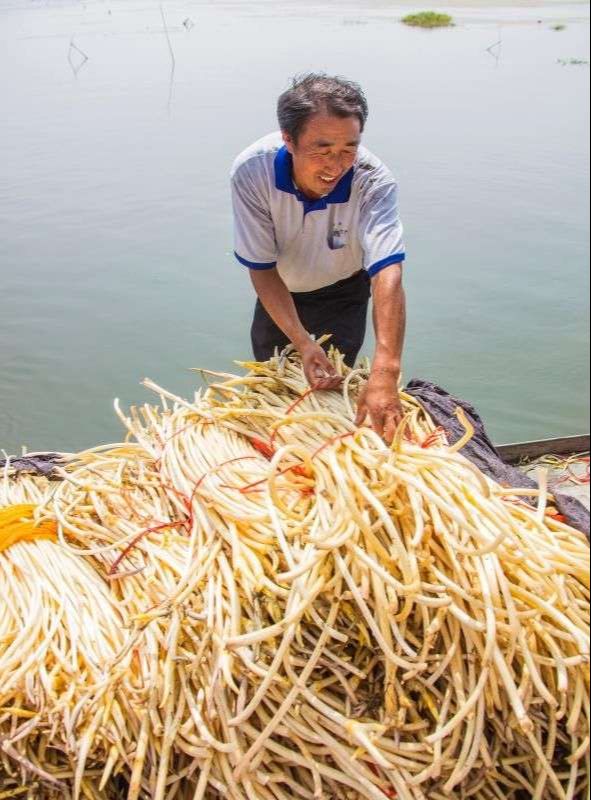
317	226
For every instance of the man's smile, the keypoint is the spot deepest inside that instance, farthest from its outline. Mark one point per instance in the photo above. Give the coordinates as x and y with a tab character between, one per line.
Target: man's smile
328	180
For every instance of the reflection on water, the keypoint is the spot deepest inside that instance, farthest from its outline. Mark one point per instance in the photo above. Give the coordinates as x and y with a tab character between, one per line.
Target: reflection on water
119	125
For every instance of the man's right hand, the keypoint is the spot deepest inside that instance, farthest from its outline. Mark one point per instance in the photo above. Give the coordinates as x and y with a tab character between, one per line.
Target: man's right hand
279	305
318	370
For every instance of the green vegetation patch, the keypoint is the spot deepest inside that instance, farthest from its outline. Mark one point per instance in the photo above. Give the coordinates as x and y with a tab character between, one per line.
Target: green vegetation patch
428	19
573	62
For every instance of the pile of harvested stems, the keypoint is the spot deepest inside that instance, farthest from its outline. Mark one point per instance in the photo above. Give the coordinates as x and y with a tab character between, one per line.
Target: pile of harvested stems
253	599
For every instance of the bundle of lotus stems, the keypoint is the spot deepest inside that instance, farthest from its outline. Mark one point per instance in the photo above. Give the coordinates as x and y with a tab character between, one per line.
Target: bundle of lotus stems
252	598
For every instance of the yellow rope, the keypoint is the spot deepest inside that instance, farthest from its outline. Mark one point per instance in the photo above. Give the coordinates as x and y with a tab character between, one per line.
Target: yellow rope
17	524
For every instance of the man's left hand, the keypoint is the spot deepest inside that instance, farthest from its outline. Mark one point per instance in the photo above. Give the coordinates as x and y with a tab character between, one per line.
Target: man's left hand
381	403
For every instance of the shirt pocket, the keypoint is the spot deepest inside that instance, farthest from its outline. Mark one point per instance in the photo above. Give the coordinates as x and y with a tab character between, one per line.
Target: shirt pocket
338	233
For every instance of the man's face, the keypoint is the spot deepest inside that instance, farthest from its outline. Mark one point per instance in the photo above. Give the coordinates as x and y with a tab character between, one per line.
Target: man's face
325	150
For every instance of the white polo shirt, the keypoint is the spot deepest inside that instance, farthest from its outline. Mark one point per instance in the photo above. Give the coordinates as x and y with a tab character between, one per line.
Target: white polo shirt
313	243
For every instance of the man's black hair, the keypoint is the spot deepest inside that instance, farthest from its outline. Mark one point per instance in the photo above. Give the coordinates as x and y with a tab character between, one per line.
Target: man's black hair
316	93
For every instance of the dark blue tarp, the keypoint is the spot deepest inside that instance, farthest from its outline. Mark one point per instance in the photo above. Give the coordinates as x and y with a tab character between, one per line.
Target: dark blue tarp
482	452
39	464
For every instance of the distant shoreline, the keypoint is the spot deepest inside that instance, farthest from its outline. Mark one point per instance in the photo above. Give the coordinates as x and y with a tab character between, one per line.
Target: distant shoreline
387	7
361	12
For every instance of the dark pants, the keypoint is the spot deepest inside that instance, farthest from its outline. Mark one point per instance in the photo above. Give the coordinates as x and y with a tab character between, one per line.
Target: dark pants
340	309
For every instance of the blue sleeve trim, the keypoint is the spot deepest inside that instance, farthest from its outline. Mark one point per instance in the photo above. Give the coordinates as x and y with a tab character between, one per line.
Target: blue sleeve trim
254	265
385	262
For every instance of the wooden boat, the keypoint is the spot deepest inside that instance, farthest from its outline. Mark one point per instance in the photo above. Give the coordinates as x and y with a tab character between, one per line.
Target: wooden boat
569	477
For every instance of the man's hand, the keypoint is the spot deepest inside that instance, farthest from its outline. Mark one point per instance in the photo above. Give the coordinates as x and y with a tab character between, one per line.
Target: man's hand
380	402
279	305
318	370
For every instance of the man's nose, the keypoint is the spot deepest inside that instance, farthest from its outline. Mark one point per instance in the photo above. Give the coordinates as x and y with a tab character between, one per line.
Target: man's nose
335	162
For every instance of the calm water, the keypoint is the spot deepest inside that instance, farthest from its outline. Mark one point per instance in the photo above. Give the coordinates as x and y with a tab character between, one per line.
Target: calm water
115	227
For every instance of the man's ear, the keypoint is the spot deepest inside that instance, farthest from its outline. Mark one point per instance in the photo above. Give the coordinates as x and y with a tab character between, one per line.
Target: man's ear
289	143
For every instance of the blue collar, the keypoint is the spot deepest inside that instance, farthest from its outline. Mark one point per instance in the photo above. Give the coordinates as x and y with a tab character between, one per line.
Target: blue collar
284	182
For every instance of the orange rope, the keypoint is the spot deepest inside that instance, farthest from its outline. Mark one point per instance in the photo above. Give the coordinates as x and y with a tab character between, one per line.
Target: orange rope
17	524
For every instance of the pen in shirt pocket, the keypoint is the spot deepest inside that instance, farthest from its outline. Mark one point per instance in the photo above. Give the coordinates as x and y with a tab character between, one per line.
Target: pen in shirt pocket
337	235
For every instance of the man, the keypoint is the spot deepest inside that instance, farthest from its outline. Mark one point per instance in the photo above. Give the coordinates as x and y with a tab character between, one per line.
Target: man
317	225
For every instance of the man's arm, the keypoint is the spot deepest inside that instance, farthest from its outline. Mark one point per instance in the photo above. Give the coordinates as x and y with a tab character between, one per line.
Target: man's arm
279	305
380	400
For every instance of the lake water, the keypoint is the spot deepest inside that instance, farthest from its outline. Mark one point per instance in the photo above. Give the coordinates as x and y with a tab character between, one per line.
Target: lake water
115	225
